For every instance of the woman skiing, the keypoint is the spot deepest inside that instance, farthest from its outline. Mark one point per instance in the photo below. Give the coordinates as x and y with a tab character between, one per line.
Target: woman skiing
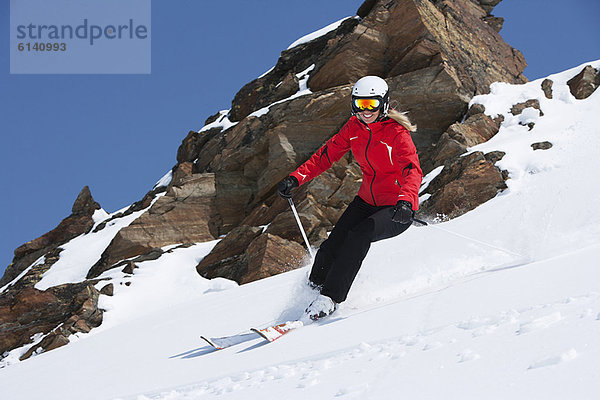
388	196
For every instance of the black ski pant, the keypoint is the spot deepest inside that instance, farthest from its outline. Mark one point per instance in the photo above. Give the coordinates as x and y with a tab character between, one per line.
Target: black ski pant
340	256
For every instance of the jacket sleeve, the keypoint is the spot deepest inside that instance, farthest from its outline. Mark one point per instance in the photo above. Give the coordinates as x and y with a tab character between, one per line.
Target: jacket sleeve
410	174
329	153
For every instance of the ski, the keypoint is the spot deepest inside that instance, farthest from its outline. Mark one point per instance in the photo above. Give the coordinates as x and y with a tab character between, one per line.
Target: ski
221	343
269	333
274	332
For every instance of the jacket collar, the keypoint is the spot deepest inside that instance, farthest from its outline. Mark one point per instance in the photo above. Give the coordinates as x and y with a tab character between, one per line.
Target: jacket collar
384	121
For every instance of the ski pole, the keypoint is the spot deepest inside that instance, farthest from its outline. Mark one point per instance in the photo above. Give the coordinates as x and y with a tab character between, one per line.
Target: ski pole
419	221
301	228
468	238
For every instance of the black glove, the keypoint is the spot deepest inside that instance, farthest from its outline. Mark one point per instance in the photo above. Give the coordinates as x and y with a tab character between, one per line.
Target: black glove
403	212
284	188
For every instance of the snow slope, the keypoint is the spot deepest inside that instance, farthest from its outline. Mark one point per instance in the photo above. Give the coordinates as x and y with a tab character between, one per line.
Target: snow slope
502	302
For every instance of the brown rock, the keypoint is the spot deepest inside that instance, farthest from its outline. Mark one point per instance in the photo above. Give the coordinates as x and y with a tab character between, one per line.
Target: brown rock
27	311
411	35
463	185
108	290
193	143
488	5
280	153
235	243
289	86
547	88
446	149
264	214
84	203
584	83
445	102
473	54
50	342
541	146
233	193
475	130
81	326
351	178
365	8
324	186
188	151
494	156
494	22
137	206
245	254
270	255
129	267
227	258
286	227
533	103
475	109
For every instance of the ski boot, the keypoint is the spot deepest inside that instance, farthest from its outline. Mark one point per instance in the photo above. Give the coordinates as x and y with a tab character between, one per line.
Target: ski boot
321	307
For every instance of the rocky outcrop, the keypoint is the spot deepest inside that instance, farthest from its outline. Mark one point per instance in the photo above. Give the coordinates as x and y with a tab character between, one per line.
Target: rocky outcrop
403	36
518	108
246	255
55	314
585	83
183	215
476	129
285	226
228	257
463	185
270	255
80	221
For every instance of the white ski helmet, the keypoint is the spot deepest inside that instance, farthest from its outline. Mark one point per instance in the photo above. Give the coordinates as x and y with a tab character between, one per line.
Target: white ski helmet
371	87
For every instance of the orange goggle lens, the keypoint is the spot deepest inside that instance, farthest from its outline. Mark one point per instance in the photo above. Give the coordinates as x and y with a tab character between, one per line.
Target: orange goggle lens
367	104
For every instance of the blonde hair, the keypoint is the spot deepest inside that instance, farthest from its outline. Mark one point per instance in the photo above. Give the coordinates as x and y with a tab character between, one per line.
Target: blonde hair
402	119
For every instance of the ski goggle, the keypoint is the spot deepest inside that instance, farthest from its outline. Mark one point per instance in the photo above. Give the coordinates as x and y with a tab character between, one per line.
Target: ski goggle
366	104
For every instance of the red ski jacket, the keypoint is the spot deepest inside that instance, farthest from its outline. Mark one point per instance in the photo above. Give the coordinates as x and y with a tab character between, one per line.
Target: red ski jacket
386	155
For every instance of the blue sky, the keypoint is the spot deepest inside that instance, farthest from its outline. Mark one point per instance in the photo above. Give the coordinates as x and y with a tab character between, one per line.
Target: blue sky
119	134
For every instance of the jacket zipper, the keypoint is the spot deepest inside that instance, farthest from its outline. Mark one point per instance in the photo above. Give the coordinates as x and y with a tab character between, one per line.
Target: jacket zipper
369	162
